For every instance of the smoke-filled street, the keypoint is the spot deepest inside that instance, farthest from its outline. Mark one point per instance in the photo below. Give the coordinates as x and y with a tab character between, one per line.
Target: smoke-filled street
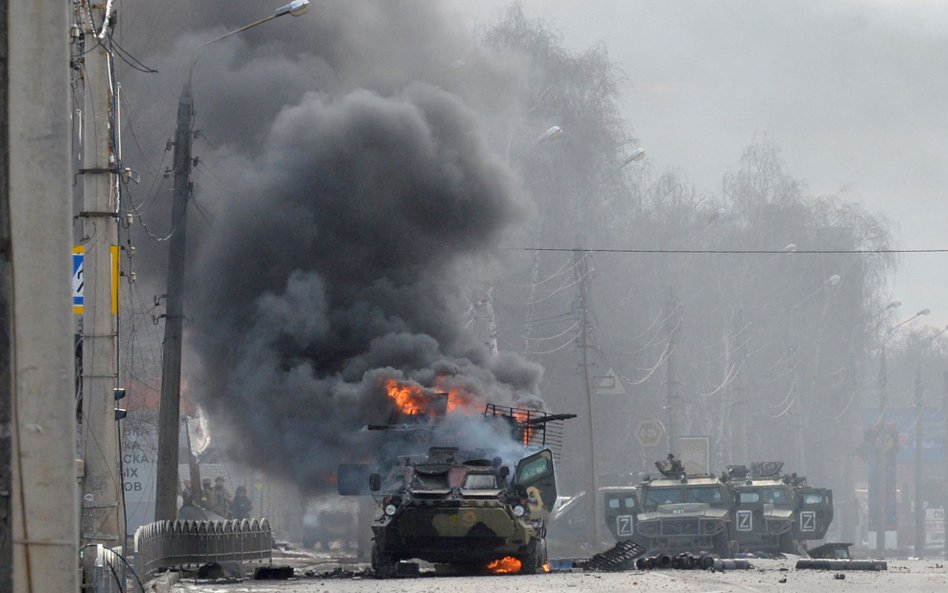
474	284
767	576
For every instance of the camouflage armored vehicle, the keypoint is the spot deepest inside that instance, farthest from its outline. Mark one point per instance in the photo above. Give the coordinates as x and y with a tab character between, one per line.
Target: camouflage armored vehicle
621	505
679	512
813	510
464	508
443	502
763	509
774	512
746	510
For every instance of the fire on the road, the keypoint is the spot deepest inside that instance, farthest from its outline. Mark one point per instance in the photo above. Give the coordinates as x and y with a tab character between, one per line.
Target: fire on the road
505	565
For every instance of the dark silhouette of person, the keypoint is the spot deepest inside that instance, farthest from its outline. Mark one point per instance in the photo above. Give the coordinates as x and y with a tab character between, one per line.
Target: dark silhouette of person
240	506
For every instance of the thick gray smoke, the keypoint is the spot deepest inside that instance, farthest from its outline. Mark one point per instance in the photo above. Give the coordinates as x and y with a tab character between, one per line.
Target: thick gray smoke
358	207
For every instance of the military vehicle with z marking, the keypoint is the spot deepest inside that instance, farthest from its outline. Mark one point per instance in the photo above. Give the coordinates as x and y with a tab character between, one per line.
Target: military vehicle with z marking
744	511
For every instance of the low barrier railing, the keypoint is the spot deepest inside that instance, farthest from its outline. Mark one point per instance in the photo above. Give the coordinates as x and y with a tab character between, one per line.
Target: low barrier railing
109	573
180	544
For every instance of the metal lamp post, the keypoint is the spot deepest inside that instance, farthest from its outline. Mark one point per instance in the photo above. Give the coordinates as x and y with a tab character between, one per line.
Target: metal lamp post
881	461
848	514
798	413
166	488
581	263
919	391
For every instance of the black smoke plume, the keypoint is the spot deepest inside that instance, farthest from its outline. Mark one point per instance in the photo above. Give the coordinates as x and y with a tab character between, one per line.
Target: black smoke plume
355	202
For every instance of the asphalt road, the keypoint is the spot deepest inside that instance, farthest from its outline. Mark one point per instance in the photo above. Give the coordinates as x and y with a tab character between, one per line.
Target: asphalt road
766	576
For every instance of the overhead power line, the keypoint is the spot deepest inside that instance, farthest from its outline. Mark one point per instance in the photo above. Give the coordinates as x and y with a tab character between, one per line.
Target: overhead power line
732	251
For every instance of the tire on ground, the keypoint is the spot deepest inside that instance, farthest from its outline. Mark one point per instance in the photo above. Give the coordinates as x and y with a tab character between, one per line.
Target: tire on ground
383	565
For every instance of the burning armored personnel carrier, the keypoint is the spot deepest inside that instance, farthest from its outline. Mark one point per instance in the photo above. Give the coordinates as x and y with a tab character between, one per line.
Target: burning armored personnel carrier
482	508
464	508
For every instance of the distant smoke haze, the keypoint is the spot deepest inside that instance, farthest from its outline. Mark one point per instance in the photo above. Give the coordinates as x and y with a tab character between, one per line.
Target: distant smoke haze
853	92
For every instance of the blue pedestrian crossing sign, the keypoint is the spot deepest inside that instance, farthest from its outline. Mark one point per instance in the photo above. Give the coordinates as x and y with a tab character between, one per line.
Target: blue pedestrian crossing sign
78	304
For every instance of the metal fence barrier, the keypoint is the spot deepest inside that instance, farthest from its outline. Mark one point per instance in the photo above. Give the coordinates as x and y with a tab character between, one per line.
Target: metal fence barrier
180	544
109	573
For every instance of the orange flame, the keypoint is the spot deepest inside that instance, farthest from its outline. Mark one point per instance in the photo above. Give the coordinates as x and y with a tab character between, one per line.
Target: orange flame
410	399
506	565
522	417
546	567
414	399
461	401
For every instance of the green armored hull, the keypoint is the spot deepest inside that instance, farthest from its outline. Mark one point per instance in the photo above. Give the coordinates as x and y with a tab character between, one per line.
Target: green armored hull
684	515
745	510
774	512
456	532
457	508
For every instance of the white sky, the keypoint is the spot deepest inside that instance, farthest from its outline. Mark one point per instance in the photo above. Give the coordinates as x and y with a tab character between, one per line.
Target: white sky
854	92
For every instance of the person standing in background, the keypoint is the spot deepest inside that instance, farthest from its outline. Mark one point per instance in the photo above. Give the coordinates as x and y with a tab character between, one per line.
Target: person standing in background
220	500
241	506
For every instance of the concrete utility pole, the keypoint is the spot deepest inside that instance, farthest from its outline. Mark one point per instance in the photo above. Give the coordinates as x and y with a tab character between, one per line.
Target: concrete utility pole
35	243
485	322
885	442
881	469
944	451
673	407
581	271
103	513
919	511
740	417
919	434
166	489
6	324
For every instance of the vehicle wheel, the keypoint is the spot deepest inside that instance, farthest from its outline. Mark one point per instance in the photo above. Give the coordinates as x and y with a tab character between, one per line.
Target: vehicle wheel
532	562
383	565
722	547
787	545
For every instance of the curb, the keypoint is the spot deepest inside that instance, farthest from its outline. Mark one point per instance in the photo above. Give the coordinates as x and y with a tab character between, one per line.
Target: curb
162	584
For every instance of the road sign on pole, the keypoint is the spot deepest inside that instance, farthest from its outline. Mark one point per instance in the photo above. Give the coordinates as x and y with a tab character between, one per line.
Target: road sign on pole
695	454
609	384
650	432
78	255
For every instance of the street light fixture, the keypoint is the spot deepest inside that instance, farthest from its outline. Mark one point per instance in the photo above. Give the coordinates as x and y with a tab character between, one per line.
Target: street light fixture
636	155
166	482
295	8
883	374
829	282
551	133
872	328
891	330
